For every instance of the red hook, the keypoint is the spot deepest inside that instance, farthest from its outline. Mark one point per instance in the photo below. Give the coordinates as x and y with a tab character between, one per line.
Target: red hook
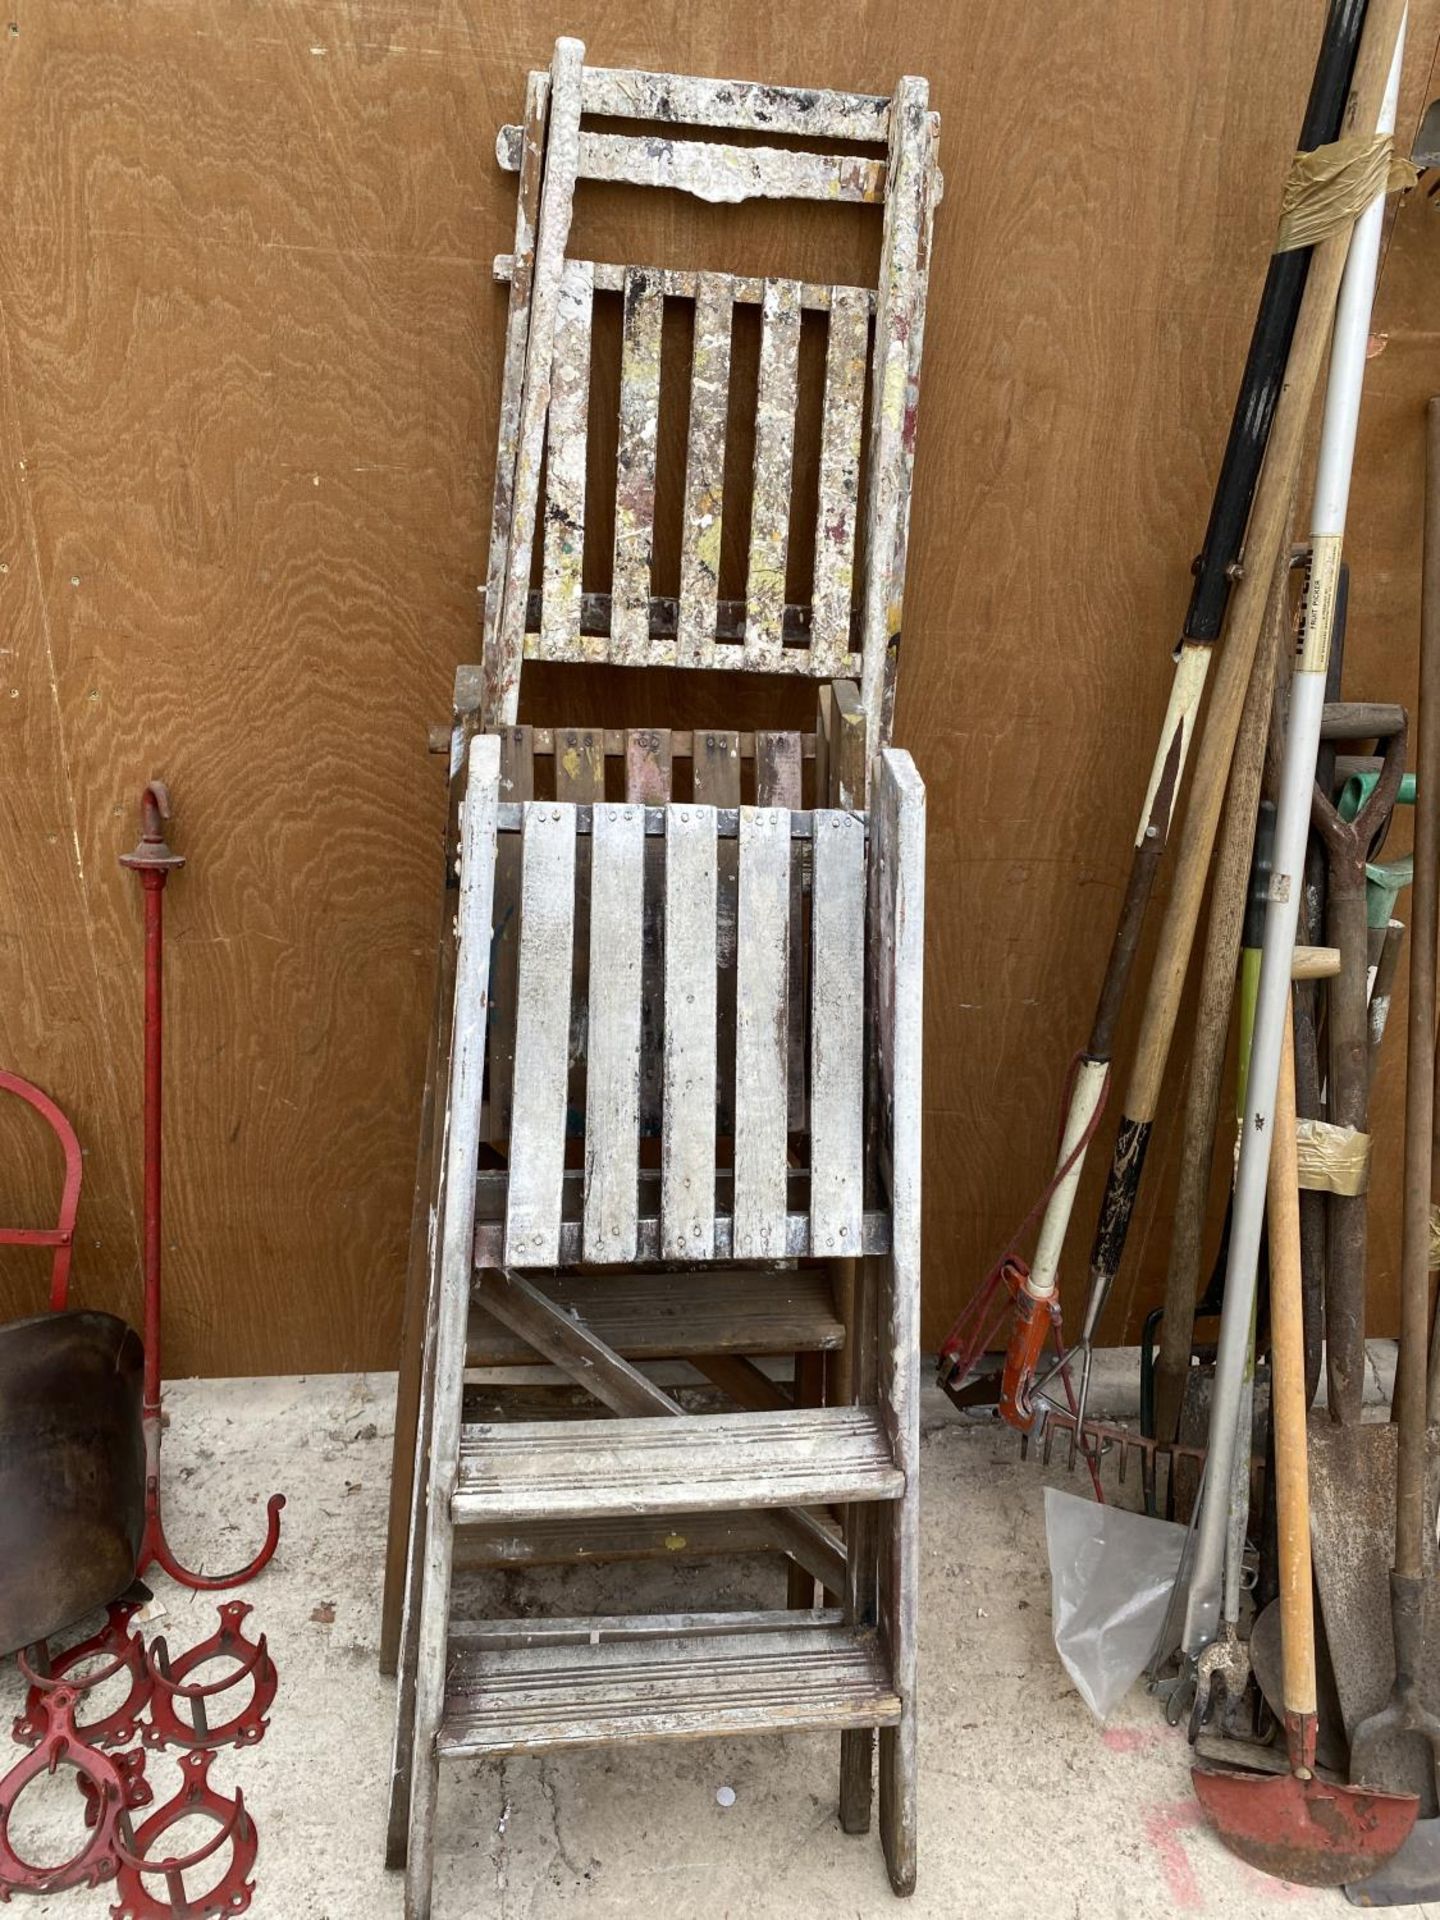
154	861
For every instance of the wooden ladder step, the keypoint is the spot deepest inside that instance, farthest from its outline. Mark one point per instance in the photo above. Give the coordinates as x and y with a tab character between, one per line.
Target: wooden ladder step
546	1470
664	1316
690	1678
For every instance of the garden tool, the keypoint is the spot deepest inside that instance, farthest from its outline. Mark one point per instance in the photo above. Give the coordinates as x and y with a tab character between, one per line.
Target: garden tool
1347	844
1385	881
154	862
1296	1825
1272	1009
72	1467
1308	1002
1397	1744
1281	366
1263	541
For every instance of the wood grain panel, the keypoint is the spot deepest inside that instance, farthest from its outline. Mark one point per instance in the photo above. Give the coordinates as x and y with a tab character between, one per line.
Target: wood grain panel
251	354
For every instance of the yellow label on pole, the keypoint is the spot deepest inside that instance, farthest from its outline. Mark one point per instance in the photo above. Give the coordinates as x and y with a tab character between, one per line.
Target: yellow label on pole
1321	591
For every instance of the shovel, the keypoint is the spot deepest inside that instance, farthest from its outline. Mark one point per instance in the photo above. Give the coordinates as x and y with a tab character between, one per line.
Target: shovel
1403	1735
1296	1825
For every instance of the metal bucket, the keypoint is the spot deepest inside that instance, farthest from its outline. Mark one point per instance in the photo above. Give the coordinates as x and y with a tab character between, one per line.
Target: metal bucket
72	1470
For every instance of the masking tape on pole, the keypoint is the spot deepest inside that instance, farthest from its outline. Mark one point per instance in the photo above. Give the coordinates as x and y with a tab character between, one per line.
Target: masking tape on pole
1329	187
1332	1159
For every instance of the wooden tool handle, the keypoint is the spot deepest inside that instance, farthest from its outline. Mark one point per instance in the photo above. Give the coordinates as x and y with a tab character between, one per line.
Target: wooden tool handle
1287	1396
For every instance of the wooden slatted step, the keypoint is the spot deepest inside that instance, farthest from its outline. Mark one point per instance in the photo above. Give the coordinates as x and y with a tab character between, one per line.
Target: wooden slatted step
807	1456
680	1685
669	1536
663	1316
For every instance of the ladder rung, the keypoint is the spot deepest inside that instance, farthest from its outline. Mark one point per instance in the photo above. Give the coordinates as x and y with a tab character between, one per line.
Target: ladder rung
521	1699
663	1316
808	1456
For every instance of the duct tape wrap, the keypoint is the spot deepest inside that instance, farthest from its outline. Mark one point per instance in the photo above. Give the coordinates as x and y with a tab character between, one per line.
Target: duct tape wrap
1331	186
1332	1159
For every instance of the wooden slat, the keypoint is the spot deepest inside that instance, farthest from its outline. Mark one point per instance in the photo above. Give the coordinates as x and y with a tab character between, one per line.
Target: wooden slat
531	1699
664	620
566	448
663	1316
671	1536
796	661
648	770
580	779
897	918
574	1347
899	328
837	1040
762	1033
874	1236
745	1383
623	93
687	1178
593	1630
683	283
705	472
517	788
727	821
635	466
774	457
613	741
427	1595
529	149
502	660
612	1106
832	598
723	174
542	1035
716	776
777	784
543	1469
848	752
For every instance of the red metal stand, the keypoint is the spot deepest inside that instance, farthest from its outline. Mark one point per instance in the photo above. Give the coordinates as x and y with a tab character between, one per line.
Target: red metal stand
62	1235
153	861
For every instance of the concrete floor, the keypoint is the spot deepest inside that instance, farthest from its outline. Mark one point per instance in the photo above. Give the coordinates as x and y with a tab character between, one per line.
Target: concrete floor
1028	1806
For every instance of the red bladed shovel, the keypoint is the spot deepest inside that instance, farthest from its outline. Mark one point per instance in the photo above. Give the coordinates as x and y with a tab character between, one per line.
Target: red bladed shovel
1295	1825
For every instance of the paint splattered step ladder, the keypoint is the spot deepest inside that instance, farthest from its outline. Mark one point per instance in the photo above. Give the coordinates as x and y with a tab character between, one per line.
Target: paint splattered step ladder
706	471
837	1167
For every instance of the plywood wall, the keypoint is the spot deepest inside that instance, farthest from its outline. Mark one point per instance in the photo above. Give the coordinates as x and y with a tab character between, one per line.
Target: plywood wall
249	360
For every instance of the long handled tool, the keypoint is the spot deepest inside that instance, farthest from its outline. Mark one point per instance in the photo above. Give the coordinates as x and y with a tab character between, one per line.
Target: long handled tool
1227	698
1259	404
1231	914
1391	1743
1272	1011
154	862
1347	843
1296	1825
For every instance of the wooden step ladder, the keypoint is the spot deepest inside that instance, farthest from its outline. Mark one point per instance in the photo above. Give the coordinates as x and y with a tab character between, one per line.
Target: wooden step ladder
874	157
846	1178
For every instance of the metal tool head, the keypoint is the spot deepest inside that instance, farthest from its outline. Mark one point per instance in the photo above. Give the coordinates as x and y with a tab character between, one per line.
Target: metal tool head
1312	1832
1399	1742
1332	1748
1222	1677
1408	1878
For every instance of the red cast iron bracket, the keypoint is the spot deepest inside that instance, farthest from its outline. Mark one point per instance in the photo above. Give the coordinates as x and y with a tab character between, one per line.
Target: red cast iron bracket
62	1235
167	1725
231	1894
104	1788
50	1670
154	862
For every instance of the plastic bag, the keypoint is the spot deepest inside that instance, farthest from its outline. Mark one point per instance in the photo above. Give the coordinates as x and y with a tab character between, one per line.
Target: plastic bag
1111	1573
